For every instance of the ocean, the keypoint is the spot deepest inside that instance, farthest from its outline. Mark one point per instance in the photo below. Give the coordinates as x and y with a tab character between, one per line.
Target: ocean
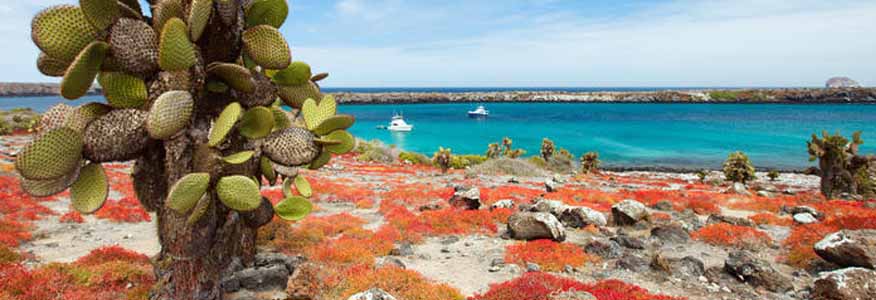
626	135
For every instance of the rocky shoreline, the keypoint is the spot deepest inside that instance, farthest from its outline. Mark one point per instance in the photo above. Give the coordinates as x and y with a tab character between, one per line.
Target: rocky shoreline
17	89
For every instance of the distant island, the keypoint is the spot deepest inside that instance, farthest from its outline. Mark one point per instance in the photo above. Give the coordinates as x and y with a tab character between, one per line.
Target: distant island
838	90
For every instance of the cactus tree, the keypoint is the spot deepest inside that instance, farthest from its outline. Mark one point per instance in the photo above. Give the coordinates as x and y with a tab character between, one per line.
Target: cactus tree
842	170
194	97
547	149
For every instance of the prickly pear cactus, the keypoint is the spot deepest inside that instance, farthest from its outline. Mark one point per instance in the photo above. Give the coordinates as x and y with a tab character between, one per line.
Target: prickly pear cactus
738	168
493	151
195	94
443	158
547	149
843	172
590	162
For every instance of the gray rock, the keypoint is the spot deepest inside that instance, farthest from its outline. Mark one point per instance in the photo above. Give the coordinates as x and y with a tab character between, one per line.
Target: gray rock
579	217
628	212
466	198
606	250
402	249
756	272
633	263
532	267
845	284
629	242
572	295
805	218
765	194
535	225
740	189
506	203
551	186
714	219
391	261
497	262
841	82
372	294
450	240
670	233
688	267
802	209
553	207
849	248
264	278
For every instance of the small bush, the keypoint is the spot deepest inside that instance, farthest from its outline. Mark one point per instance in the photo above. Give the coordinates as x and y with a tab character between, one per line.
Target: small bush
507	166
724	95
773	175
374	151
461	162
723	234
590	162
738	168
414	158
550	255
443	159
702	175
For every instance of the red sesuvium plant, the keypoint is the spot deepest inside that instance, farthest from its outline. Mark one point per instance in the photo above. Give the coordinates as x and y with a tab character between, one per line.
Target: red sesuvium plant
723	234
549	255
839	215
539	286
194	96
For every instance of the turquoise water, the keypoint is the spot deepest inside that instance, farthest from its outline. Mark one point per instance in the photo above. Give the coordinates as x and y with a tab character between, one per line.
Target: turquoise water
671	135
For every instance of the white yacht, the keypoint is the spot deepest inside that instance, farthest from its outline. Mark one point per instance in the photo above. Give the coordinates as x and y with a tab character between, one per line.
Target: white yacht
398	124
480	112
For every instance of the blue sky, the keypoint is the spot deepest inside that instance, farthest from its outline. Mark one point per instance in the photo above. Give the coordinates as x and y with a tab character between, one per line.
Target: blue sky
380	43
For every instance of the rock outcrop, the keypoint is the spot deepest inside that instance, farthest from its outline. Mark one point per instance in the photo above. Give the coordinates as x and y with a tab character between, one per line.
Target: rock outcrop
841	82
466	198
845	284
628	212
756	272
849	248
535	225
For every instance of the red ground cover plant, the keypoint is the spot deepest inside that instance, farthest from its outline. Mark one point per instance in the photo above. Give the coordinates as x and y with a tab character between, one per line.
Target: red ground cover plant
339	190
517	193
538	286
839	215
13	232
416	194
770	219
550	255
447	221
401	283
125	210
71	217
295	238
723	234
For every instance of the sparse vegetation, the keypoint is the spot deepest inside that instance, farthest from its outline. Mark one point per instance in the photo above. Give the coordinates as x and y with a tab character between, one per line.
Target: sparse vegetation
590	162
738	168
443	159
414	158
507	166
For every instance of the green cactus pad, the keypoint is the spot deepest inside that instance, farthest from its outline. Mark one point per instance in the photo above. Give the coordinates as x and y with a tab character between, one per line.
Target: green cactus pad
62	32
267	47
239	193
123	90
51	66
281	121
164	11
89	192
170	113
267	12
127	11
100	13
199	16
303	186
298	73
134	45
321	160
49	187
81	116
267	169
132	4
338	122
236	76
315	114
120	135
291	147
187	191
294	96
286	171
326	142
224	123
346	139
55	154
80	76
293	208
256	123
215	86
54	118
239	157
319	77
175	51
200	209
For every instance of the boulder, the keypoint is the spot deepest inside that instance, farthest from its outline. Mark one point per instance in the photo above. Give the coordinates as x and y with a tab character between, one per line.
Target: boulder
372	294
793	210
551	185
841	82
402	249
579	217
466	198
628	212
756	272
670	233
572	295
553	207
849	248
687	267
845	284
740	189
633	263
605	250
505	203
629	242
805	218
535	225
390	261
715	219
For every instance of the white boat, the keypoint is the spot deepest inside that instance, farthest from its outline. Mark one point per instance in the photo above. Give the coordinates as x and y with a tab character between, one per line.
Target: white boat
480	112
398	124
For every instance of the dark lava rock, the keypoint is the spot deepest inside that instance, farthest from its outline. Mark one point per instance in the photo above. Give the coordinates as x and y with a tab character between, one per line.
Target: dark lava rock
849	248
606	250
633	263
715	219
466	198
629	242
756	272
663	206
845	284
670	233
628	212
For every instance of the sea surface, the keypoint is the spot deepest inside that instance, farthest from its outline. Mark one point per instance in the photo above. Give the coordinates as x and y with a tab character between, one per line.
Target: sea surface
630	135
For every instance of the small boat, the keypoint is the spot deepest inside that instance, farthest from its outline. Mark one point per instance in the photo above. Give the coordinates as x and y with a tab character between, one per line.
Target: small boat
480	112
398	124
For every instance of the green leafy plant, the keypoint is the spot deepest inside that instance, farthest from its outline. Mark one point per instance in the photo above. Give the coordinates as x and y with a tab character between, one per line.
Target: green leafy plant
738	168
590	162
414	158
191	98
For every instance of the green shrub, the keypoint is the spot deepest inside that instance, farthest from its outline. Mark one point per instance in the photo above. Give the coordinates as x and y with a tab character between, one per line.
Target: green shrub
414	158
374	151
738	168
464	161
538	161
773	175
724	95
702	174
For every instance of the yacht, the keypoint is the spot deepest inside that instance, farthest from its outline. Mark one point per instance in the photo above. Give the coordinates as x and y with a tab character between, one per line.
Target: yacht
480	112
398	124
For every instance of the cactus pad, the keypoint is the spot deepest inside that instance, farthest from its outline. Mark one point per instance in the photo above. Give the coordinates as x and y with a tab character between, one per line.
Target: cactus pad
237	76
123	90
338	122
298	73
293	208
315	114
224	123
256	122
164	11
303	186
55	154
281	121
132	4
267	47
238	158
319	77
200	209
175	51
134	45
100	13
81	116
53	118
239	193
267	169
187	191
347	142
291	147
80	76
90	191
199	16
267	12
51	66
62	31
265	92
294	96
170	113
120	135
49	187
321	160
